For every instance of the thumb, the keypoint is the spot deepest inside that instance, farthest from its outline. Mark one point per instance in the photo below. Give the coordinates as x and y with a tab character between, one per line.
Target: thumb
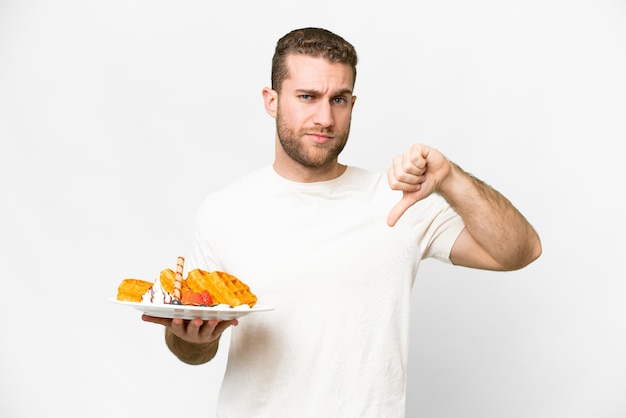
398	210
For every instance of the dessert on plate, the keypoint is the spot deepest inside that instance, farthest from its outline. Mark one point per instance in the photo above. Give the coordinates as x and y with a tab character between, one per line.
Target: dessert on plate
199	288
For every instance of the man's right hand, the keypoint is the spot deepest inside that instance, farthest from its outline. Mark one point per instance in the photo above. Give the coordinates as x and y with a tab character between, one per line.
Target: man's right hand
194	331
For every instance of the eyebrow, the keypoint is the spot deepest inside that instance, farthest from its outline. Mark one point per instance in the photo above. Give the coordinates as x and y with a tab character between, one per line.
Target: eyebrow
312	92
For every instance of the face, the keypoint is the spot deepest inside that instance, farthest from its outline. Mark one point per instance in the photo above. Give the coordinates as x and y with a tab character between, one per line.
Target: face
313	112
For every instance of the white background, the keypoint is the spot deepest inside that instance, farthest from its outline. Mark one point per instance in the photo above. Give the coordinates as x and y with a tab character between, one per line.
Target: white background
117	117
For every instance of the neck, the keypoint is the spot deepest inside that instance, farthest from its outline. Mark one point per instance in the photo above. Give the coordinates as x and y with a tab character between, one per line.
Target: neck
296	172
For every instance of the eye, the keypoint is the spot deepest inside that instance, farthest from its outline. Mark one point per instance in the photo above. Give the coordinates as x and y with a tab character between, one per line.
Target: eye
305	97
339	100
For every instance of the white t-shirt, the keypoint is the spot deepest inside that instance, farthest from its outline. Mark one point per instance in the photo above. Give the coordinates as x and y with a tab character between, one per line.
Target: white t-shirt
339	279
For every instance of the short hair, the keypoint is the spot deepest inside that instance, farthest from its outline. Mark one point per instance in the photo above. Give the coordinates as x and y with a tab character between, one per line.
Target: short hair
314	42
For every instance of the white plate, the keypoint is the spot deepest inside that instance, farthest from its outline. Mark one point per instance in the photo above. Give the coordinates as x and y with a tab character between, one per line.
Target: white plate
222	313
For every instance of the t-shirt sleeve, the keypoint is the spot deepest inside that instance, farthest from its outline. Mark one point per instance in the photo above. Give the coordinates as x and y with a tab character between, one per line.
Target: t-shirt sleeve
443	231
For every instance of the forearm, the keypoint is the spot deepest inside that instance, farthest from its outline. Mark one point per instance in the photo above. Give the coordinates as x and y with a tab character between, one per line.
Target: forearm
191	353
492	221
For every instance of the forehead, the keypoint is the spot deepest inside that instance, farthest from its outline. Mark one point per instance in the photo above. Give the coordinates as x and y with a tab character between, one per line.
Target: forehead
317	73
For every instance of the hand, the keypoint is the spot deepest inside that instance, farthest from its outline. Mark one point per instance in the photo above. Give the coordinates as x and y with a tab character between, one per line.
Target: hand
418	172
196	330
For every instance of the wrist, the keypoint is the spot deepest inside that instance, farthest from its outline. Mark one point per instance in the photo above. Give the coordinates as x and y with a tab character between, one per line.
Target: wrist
452	184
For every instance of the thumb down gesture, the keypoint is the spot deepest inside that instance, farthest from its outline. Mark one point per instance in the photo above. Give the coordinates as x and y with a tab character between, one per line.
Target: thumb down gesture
417	173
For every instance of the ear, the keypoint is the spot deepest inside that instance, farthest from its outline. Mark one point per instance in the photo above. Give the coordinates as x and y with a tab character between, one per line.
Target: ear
270	99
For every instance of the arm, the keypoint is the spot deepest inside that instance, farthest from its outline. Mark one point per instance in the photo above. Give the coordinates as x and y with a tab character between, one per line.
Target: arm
194	341
496	234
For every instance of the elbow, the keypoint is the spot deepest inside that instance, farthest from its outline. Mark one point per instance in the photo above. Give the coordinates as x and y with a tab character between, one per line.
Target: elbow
538	249
536	252
527	255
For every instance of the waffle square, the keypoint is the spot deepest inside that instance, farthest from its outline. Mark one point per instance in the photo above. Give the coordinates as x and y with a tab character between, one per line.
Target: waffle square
168	280
132	290
223	287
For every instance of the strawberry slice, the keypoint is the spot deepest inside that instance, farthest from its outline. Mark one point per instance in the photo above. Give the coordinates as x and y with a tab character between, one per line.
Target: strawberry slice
198	299
206	298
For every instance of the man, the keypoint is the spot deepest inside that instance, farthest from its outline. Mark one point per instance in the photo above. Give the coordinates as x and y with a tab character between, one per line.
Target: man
335	250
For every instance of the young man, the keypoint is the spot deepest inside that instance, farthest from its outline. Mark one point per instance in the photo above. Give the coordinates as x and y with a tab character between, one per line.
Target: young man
335	250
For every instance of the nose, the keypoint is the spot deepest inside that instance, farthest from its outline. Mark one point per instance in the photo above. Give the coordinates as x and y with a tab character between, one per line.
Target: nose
324	114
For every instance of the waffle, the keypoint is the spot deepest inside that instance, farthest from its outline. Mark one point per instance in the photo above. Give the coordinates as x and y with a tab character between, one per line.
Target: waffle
168	280
223	287
132	290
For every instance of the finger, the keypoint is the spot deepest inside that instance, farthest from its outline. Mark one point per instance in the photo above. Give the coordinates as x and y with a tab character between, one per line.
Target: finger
410	165
424	152
222	325
398	210
177	326
398	179
194	326
404	173
416	159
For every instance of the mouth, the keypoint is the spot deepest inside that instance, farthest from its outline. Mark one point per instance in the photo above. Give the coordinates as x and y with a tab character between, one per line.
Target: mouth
319	138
